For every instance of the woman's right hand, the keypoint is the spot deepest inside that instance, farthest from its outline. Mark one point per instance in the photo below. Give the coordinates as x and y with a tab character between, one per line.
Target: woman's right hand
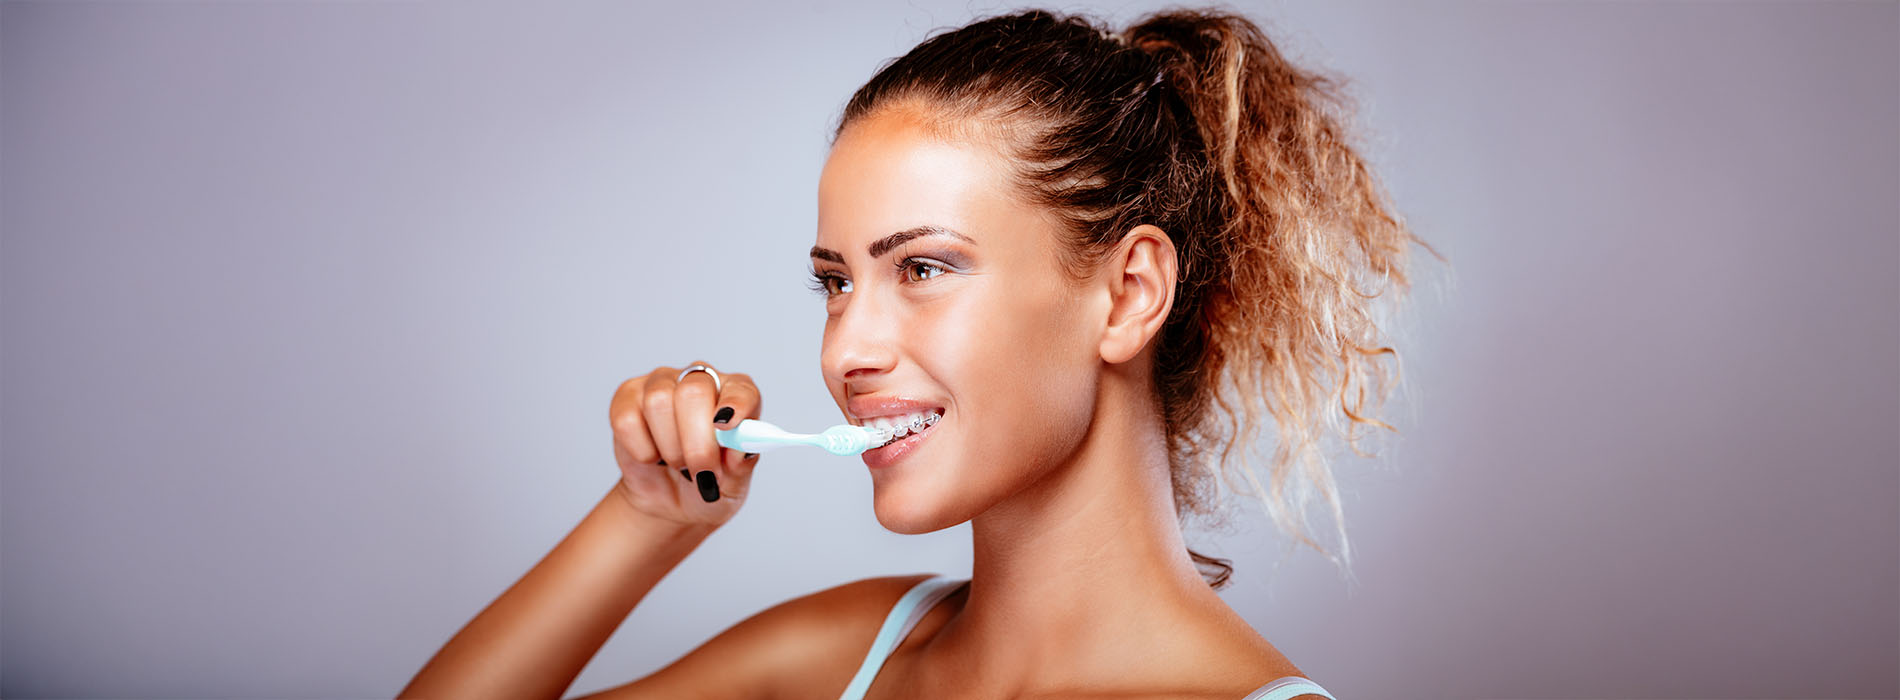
671	465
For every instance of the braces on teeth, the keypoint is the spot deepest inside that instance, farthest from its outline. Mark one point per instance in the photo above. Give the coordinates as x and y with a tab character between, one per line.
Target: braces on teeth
892	430
910	426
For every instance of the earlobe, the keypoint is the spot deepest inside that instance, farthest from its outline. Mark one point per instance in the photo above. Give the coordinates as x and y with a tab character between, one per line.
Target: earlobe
1140	281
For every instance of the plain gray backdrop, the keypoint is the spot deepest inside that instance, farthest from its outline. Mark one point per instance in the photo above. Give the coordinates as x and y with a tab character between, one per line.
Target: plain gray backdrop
312	312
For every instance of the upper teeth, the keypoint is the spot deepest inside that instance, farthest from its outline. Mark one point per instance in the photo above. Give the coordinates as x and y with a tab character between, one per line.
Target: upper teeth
904	424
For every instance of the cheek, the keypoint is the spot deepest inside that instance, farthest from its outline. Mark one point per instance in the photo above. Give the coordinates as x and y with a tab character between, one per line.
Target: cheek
1016	366
1059	397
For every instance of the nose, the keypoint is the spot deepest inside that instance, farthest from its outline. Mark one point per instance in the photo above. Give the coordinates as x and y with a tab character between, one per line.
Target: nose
859	342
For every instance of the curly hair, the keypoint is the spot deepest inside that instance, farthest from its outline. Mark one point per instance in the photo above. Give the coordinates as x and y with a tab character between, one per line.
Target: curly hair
1194	122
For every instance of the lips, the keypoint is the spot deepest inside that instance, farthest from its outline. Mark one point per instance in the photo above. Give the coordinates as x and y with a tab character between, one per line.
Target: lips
883	457
863	409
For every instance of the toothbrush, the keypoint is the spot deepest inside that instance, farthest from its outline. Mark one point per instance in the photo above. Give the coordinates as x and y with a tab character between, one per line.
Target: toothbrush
752	435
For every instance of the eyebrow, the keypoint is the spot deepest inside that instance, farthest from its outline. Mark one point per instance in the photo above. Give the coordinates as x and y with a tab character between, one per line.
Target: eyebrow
879	247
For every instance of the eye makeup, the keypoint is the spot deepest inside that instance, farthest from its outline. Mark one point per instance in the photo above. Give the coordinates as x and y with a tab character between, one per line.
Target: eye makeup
937	263
949	260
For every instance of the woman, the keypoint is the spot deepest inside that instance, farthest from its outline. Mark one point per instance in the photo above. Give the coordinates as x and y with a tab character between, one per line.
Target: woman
1061	241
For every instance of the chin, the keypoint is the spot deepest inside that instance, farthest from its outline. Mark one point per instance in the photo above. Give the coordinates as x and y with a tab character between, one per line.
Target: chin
912	516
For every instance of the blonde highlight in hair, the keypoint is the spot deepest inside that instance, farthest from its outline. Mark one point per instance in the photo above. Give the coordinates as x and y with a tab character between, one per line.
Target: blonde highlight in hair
1195	122
1311	244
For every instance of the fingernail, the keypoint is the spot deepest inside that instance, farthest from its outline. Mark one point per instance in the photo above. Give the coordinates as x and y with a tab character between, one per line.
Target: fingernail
686	475
750	455
708	487
662	462
724	414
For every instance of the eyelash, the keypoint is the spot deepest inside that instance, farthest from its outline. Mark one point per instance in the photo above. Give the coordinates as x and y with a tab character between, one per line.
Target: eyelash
820	281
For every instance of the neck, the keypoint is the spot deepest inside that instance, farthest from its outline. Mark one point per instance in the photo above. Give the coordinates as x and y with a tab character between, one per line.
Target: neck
1085	562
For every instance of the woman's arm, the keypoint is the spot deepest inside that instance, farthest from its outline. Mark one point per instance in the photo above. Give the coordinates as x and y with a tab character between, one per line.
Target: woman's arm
535	639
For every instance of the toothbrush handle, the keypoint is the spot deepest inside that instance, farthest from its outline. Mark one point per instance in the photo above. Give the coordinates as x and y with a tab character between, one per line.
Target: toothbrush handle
752	435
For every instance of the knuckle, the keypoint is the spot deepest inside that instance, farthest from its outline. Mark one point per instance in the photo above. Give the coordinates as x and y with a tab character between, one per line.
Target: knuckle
628	393
640	450
628	424
697	391
657	401
738	392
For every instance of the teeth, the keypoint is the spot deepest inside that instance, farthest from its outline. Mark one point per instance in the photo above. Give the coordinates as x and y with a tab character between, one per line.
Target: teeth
899	426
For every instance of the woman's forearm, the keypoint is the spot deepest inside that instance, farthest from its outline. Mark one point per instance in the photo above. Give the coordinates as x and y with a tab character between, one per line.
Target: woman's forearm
533	640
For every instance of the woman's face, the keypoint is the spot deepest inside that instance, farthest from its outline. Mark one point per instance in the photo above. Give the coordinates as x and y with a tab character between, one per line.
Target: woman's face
967	314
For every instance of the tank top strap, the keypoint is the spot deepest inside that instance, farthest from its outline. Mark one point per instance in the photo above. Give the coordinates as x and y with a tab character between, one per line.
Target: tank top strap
909	610
1288	688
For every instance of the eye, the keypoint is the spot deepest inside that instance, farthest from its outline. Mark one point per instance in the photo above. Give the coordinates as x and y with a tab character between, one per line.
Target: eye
829	284
918	270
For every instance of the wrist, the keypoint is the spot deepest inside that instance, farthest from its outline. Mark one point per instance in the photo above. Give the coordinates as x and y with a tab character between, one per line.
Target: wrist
618	505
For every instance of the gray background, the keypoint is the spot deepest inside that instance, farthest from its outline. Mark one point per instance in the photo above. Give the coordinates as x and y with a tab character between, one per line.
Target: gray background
312	311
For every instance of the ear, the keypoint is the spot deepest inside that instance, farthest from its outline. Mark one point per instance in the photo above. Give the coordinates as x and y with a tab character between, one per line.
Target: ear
1140	277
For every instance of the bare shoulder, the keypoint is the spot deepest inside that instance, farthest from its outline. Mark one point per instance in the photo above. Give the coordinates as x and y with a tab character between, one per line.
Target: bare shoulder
806	647
1224	657
1258	663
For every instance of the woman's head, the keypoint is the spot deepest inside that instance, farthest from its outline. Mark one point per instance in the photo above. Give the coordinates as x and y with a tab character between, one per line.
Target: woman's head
1053	148
942	290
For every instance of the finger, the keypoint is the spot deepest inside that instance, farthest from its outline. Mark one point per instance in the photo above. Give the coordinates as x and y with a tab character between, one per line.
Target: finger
739	465
742	395
656	406
695	401
634	471
629	426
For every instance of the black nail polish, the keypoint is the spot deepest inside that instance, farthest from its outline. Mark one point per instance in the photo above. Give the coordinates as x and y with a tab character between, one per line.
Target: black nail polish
750	455
686	475
662	462
724	414
708	487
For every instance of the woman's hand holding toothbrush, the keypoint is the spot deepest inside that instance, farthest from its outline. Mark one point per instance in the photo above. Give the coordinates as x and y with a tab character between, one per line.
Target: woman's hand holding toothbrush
682	439
671	466
534	639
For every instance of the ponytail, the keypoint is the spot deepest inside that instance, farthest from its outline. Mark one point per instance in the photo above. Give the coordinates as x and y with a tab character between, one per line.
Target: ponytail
1309	242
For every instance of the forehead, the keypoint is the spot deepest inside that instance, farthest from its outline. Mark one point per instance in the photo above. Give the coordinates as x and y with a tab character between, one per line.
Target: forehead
896	170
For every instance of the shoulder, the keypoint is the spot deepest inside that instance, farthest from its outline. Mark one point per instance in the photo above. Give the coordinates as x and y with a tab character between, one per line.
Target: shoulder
804	647
818	640
1224	656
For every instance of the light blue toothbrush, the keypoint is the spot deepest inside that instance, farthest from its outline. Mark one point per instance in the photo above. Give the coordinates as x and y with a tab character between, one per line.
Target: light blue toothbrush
752	435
